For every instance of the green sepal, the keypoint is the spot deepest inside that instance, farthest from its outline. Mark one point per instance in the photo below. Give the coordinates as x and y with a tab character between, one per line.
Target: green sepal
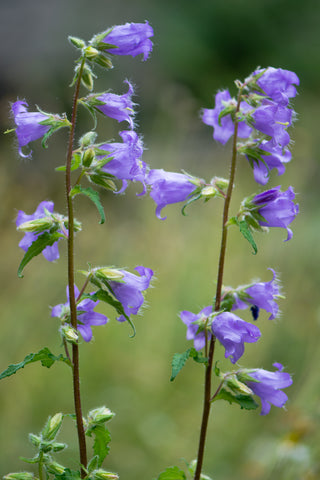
172	473
106	183
91	110
245	230
216	369
64	122
68	475
179	360
36	247
191	200
19	476
228	110
102	438
93	195
44	356
75	163
245	401
92	465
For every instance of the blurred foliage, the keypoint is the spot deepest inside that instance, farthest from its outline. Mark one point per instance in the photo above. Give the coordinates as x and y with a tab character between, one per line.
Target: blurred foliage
199	48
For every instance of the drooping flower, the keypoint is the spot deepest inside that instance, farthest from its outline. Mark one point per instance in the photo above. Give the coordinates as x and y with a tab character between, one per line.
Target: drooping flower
276	157
278	84
260	295
197	326
128	290
277	208
223	129
51	253
130	39
273	120
267	385
125	163
232	332
86	317
169	187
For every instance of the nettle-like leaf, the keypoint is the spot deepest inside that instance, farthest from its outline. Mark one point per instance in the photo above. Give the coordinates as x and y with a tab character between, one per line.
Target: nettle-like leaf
47	239
102	439
179	360
172	473
44	356
245	401
93	195
245	230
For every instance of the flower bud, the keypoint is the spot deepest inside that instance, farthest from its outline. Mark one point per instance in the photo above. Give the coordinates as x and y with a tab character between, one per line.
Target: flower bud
209	191
69	333
37	225
108	273
221	183
57	447
87	157
103	61
100	415
52	426
103	475
236	386
19	476
87	78
54	468
88	139
91	53
77	42
34	439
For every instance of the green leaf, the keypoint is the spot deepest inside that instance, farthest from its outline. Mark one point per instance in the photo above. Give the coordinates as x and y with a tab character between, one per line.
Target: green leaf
68	475
172	473
44	356
245	401
43	241
101	441
246	232
179	360
92	195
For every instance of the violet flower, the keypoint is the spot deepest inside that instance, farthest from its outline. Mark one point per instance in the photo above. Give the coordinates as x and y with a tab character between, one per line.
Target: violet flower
51	253
169	187
29	125
267	385
224	129
276	159
86	317
278	84
277	208
273	120
260	295
129	290
125	163
197	326
119	107
232	332
130	39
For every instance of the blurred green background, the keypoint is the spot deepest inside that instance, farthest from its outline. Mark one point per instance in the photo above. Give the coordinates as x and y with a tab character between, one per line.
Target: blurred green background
199	47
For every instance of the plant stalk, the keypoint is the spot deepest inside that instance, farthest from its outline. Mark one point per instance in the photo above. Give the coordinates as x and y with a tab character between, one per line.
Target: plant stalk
72	300
223	246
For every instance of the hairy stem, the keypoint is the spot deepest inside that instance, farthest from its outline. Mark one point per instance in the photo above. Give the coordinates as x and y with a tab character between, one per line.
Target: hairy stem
223	246
72	300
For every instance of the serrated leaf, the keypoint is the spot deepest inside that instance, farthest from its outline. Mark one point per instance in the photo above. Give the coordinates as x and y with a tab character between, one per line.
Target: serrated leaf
68	475
93	195
172	473
45	240
245	401
179	360
246	232
102	438
44	356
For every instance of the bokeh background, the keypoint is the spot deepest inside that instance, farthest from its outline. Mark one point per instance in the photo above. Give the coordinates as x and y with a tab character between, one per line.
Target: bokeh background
199	47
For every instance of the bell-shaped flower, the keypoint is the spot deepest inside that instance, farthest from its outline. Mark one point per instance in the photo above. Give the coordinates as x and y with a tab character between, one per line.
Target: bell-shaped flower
86	316
170	187
273	120
34	125
37	223
232	332
275	157
278	84
260	295
125	159
128	290
223	128
198	326
268	386
277	208
129	39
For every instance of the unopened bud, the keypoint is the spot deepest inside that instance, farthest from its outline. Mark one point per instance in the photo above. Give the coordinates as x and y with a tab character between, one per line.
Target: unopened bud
236	386
221	183
209	191
103	61
87	78
91	53
37	225
77	42
100	415
57	447
34	439
52	426
87	157
109	273
103	475
55	468
88	139
69	333
19	476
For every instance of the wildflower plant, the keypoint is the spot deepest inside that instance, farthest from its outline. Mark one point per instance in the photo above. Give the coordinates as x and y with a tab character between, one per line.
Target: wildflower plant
257	121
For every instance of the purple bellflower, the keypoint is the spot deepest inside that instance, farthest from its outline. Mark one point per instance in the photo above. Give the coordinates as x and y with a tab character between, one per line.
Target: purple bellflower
86	316
278	84
130	39
276	158
119	107
51	253
267	385
197	326
277	208
224	129
129	290
260	295
232	332
169	187
273	120
29	125
125	163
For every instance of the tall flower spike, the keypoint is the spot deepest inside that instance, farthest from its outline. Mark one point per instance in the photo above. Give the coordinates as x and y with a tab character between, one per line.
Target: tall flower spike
129	39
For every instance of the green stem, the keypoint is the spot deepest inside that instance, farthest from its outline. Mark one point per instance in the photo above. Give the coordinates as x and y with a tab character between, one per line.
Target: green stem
40	466
208	373
72	300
